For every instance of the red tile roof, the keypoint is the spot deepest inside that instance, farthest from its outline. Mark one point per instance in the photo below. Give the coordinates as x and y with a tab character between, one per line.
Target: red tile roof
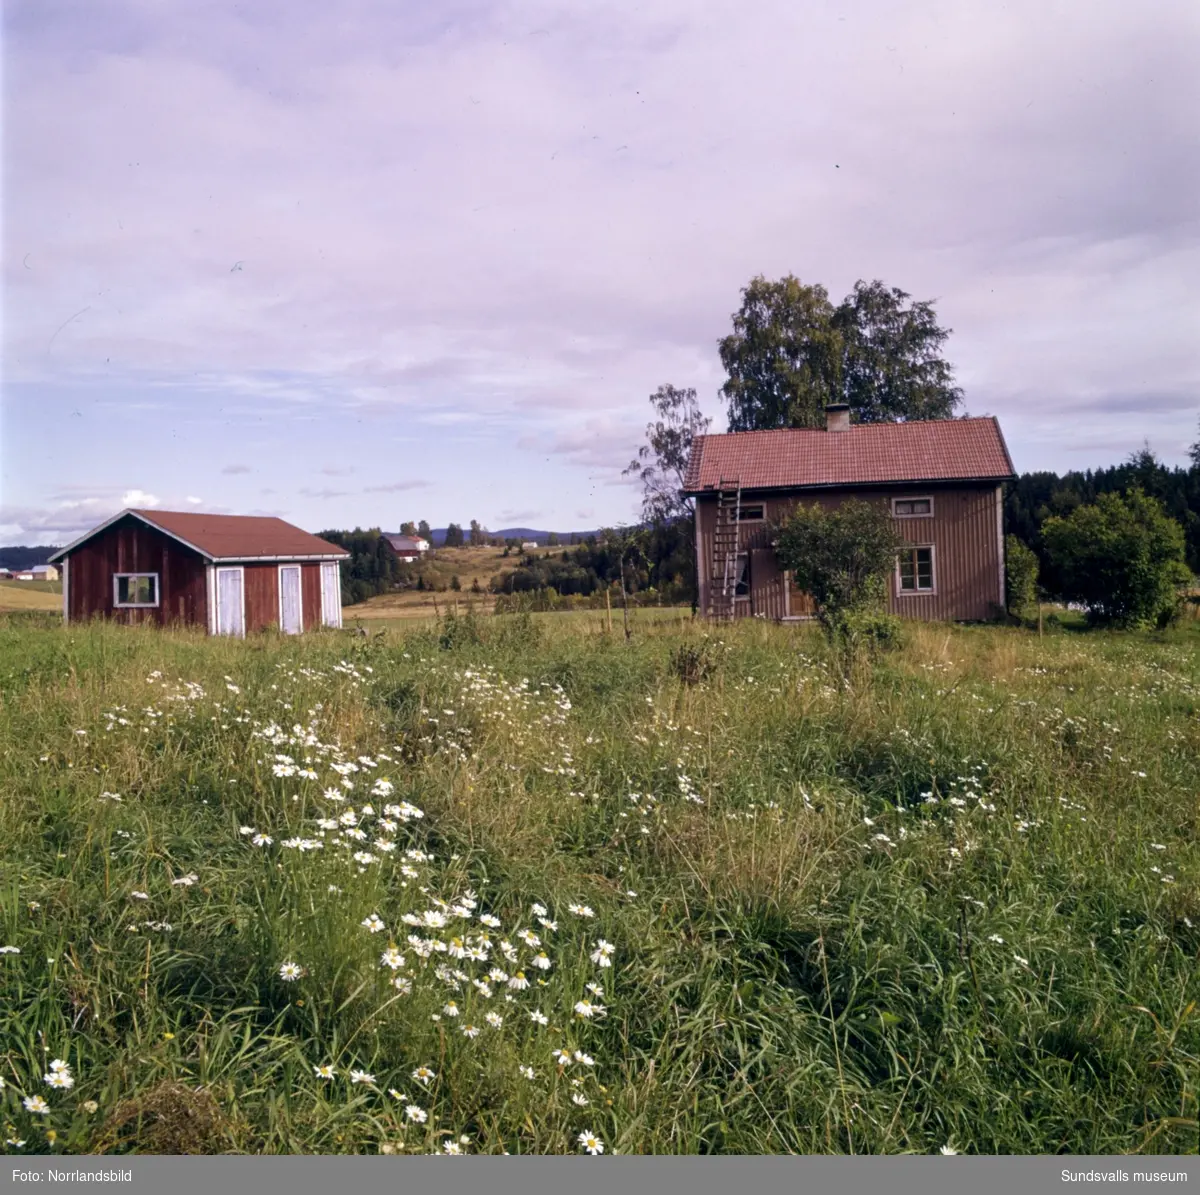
228	537
866	454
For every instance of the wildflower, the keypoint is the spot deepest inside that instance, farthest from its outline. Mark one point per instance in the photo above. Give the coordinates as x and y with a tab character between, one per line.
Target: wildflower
90	1106
595	989
495	975
526	1071
290	971
35	1103
361	1077
584	1059
364	858
324	1072
261	840
539	1018
490	921
494	1019
450	1008
451	1147
602	955
548	924
244	830
396	1095
1023	961
185	881
60	1080
541	962
563	1057
424	1075
996	938
948	1150
13	949
529	937
581	910
590	1143
403	985
470	1031
373	923
586	1009
518	982
59	1065
417	1114
392	958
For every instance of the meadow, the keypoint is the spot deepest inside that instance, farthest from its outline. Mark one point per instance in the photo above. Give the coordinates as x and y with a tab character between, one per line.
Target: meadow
517	885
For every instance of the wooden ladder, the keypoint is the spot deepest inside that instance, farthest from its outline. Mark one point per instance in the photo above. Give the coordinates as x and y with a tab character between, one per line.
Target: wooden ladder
724	574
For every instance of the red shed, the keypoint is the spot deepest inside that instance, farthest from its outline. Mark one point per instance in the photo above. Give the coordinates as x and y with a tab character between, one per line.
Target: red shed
229	573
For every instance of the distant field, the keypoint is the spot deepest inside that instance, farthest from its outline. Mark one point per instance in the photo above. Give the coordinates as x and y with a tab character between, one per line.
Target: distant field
30	595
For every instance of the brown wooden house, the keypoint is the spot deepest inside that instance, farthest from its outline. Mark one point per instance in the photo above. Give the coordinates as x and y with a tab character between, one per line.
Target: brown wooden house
941	481
228	573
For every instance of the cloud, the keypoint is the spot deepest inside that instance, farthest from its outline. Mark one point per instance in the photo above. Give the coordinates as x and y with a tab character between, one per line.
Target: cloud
395	487
323	494
513	518
139	498
193	501
235	469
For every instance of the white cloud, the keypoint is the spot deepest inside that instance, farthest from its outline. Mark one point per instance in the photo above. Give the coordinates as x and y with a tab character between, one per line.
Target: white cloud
139	498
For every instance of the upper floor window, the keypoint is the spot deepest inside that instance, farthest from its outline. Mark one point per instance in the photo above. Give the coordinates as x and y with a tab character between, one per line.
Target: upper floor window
912	508
135	589
751	513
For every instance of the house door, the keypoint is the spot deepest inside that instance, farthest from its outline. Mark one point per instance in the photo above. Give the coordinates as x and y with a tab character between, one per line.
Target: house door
231	602
799	603
331	595
291	614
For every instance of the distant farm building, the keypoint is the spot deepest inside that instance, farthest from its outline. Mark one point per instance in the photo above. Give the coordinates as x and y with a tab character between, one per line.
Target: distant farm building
941	481
407	547
530	545
44	572
228	573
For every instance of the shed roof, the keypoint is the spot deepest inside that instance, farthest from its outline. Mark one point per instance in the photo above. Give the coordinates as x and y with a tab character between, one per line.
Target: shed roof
227	537
865	454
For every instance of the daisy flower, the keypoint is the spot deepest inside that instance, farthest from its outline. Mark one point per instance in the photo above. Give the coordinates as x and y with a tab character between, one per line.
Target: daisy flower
451	1147
60	1080
417	1114
590	1143
563	1057
579	1098
586	1009
290	971
470	1031
529	937
324	1072
35	1103
403	985
581	910
518	982
584	1059
261	840
494	1019
450	1008
539	1018
424	1075
490	921
541	962
391	957
373	923
602	955
361	1077
526	1071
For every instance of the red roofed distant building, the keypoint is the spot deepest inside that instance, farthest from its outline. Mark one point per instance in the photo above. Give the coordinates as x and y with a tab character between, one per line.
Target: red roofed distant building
941	481
228	573
407	547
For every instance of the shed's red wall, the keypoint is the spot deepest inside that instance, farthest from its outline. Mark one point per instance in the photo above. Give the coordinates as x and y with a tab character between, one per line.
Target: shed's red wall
131	547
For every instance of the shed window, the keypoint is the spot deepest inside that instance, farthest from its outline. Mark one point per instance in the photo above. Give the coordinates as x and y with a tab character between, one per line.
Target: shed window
751	514
135	589
915	567
912	508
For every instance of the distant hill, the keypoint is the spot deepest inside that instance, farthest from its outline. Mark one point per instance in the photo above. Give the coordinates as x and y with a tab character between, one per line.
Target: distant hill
23	557
438	535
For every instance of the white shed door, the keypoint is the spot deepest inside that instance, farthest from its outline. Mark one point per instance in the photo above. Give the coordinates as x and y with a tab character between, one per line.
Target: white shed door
331	595
231	606
291	618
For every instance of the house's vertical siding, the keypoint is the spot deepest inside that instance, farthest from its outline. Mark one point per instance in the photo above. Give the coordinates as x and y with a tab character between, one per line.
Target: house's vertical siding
310	595
963	530
262	596
131	547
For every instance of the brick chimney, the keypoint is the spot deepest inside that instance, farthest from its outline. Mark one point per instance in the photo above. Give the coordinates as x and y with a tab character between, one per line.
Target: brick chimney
837	417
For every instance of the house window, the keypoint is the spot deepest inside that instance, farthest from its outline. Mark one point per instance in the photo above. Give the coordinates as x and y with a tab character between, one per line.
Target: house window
914	568
751	514
135	589
912	508
741	573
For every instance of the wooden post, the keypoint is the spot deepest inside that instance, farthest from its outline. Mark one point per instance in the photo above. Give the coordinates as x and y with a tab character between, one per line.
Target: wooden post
608	609
1039	619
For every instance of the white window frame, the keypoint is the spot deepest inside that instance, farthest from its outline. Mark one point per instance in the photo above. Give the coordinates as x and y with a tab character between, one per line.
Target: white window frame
120	605
762	518
216	576
933	572
331	618
913	498
279	587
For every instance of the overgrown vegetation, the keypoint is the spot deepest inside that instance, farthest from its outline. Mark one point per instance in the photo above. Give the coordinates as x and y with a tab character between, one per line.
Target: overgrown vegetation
688	894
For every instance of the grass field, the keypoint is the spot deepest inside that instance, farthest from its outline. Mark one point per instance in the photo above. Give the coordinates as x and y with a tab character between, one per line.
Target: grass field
517	885
30	595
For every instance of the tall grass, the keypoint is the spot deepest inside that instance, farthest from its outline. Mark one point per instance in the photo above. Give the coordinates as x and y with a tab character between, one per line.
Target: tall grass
952	904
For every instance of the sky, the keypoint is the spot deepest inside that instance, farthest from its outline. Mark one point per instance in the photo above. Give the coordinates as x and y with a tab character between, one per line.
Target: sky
364	262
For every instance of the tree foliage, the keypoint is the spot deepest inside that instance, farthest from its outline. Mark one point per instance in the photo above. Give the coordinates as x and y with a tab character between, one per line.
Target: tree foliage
1122	556
841	556
661	463
454	536
372	567
792	352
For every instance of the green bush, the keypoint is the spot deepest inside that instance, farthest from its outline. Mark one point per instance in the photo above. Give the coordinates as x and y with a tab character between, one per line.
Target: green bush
1122	557
1020	578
